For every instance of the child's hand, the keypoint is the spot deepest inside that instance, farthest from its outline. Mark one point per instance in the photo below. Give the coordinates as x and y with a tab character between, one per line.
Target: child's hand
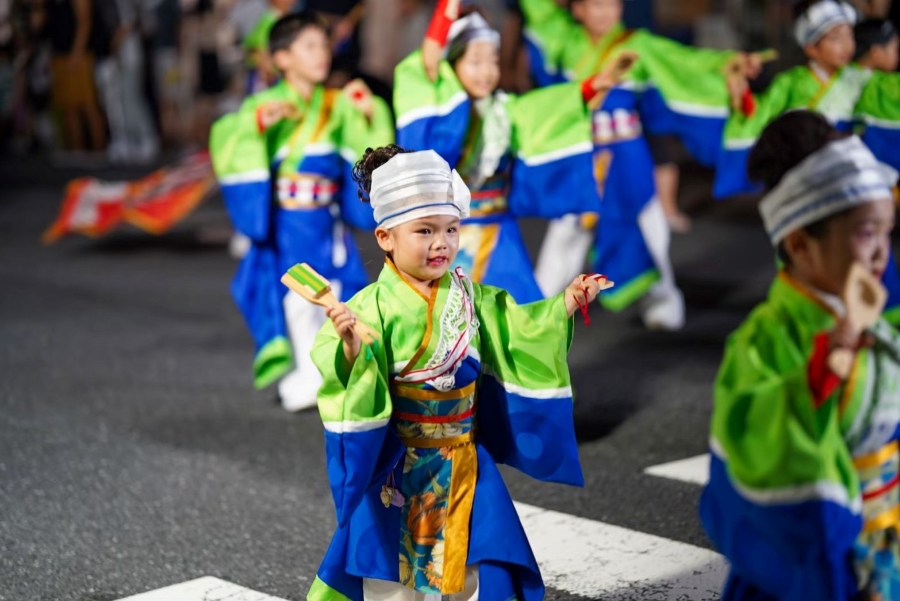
844	335
361	97
344	321
582	291
753	62
270	113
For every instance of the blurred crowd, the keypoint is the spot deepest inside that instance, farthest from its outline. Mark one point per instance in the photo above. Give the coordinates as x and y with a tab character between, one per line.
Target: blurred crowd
117	81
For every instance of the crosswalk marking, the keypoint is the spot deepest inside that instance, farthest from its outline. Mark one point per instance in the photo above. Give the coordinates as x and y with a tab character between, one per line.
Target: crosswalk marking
693	469
591	558
576	555
203	589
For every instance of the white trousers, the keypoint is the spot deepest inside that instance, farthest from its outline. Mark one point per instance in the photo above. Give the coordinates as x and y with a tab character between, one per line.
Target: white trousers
299	388
567	243
565	246
383	590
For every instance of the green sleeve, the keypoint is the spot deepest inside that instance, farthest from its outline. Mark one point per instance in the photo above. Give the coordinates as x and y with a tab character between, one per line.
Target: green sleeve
549	25
683	74
549	119
358	132
525	345
880	98
414	90
766	420
235	143
769	105
258	37
360	393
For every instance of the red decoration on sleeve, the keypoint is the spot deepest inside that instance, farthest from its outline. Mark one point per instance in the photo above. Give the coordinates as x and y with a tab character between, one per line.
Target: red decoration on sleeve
439	28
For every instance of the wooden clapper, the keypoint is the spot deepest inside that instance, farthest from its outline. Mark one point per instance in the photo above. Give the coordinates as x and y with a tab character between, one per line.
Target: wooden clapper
306	281
864	297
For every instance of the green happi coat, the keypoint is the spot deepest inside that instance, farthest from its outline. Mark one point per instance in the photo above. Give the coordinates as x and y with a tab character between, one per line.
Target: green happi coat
803	497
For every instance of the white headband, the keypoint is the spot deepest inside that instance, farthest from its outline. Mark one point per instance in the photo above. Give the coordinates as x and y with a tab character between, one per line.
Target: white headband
837	177
413	185
463	32
820	18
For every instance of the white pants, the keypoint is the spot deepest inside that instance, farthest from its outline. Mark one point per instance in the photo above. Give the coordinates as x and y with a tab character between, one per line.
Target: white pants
299	388
119	77
565	246
567	243
383	590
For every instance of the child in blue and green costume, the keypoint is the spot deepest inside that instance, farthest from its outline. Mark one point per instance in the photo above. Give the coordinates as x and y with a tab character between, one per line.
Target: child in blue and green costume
412	458
845	93
282	162
673	89
804	491
522	156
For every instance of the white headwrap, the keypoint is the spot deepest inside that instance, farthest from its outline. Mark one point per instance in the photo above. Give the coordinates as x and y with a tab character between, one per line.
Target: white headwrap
839	176
413	185
470	28
820	18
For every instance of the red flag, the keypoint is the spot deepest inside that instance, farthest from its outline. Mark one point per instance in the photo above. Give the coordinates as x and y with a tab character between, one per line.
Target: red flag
154	203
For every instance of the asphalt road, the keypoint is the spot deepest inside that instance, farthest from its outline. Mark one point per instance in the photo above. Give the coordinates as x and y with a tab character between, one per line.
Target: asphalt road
134	452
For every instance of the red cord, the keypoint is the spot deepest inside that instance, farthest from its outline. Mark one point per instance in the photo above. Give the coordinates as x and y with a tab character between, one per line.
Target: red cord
583	307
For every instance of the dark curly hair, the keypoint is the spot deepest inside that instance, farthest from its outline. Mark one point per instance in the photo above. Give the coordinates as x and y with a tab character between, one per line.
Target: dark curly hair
372	160
784	144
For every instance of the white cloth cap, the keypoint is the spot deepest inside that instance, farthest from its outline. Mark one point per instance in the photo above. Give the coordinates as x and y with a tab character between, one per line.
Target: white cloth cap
839	176
470	28
820	18
413	185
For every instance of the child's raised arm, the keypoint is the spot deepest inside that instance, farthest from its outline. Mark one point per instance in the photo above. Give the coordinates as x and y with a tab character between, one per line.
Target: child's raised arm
445	13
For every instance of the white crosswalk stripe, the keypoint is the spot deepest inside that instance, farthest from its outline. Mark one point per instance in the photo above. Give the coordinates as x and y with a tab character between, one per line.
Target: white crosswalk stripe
590	558
203	589
693	469
576	555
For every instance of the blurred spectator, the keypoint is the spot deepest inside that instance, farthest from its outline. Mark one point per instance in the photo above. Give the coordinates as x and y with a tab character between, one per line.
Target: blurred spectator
7	68
74	37
202	22
168	81
120	77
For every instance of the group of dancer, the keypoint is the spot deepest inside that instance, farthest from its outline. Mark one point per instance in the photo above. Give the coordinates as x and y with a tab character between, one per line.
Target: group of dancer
471	371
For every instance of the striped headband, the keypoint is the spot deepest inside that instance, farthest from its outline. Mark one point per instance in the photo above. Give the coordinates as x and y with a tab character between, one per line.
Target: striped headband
820	18
470	28
835	178
413	185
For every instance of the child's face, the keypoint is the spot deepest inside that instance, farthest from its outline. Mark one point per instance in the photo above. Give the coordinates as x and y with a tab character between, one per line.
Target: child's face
478	69
424	248
835	49
861	235
885	57
308	58
597	16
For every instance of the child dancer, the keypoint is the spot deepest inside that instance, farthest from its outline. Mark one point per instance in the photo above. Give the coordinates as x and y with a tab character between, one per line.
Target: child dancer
672	89
844	93
282	163
803	497
422	510
520	156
